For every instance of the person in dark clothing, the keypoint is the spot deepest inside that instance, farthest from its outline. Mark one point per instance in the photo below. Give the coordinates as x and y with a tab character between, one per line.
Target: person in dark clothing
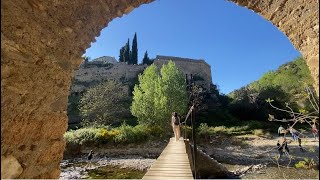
90	155
300	147
89	158
282	145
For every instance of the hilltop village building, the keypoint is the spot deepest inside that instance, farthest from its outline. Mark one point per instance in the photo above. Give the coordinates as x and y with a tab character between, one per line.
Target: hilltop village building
105	68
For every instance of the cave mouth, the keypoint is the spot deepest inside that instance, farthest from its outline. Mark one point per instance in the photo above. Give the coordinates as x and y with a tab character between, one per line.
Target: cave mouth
41	46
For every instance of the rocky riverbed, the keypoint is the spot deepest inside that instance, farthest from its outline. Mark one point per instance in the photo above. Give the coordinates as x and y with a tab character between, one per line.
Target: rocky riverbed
255	157
81	168
246	156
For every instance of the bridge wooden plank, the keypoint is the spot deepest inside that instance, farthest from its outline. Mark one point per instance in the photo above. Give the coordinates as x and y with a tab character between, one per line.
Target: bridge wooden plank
173	163
164	178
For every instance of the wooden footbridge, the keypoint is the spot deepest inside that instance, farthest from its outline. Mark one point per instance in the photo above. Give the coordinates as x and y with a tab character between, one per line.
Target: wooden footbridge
173	163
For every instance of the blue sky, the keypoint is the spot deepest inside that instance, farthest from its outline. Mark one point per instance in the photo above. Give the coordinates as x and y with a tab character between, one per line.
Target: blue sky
239	44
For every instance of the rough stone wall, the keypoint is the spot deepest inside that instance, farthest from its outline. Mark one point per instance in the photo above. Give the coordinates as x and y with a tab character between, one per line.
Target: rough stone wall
188	66
119	71
42	43
299	21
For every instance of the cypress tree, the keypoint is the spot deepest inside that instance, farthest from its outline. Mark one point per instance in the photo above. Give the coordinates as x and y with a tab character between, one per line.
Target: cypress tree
127	53
121	55
145	59
134	52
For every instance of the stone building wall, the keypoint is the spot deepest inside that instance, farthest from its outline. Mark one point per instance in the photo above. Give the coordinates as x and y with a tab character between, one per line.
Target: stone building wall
95	72
188	66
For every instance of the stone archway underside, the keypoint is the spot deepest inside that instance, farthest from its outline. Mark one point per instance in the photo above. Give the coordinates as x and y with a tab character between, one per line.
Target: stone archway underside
41	45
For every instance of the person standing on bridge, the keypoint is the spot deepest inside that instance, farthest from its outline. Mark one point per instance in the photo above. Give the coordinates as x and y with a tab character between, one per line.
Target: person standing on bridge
175	123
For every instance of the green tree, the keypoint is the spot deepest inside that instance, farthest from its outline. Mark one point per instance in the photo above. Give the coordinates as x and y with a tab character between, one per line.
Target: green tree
144	95
171	93
134	52
105	103
156	97
284	85
146	59
126	53
121	55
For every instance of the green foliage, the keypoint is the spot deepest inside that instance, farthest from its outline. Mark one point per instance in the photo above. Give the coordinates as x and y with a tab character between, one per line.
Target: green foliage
130	56
144	95
124	134
146	59
134	52
124	55
285	85
105	103
129	134
156	97
171	94
258	132
83	136
121	54
204	130
241	127
73	102
306	164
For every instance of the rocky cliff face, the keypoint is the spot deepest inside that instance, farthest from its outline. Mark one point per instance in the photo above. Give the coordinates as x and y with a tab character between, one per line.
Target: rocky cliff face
41	45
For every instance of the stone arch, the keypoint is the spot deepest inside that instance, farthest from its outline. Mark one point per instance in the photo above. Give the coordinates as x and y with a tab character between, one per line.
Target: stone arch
41	45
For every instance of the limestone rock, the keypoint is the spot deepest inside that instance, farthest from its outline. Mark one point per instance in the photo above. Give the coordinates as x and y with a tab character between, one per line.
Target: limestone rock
10	167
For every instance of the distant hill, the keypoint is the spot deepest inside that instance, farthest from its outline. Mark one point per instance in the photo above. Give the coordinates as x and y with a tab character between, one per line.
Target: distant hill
286	84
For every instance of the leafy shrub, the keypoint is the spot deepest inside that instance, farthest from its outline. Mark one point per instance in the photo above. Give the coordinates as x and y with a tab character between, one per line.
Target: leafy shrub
129	134
258	132
70	137
306	164
82	136
140	134
203	129
123	134
155	132
112	134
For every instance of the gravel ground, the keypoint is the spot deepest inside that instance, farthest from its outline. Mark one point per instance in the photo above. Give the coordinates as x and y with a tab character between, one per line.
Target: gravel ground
75	168
252	149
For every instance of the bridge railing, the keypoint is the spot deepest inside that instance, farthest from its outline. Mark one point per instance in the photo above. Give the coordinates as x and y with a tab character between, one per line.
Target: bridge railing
192	140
